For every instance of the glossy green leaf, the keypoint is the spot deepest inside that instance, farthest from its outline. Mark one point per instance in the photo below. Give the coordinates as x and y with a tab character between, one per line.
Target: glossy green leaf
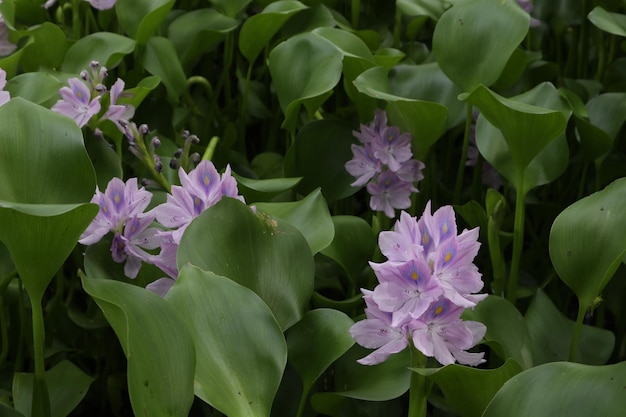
198	31
265	254
551	334
614	23
348	43
431	8
464	41
469	390
42	201
409	114
574	390
352	246
157	345
140	19
67	384
160	59
304	68
381	382
258	30
38	87
230	7
11	64
318	155
309	215
240	348
263	190
105	161
586	268
608	112
316	341
506	327
525	138
388	57
47	50
105	47
594	141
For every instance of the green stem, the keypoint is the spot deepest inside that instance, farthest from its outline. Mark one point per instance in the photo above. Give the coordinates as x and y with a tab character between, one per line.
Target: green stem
577	329
396	29
356	8
41	399
461	169
420	386
243	114
303	398
495	251
4	335
76	22
518	243
210	149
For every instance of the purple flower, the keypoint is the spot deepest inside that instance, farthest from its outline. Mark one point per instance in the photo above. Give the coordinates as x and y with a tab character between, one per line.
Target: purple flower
376	332
527	6
129	245
424	286
369	133
392	148
390	193
76	102
119	114
4	95
440	333
6	46
97	4
364	165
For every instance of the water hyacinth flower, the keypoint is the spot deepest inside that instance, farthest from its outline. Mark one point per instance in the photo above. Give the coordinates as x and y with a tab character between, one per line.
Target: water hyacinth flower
384	164
119	114
4	95
76	102
121	212
96	4
427	282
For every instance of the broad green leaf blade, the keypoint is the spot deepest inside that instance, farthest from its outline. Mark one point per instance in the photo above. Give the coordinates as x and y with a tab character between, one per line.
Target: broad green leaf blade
159	349
105	47
551	335
613	23
197	32
230	7
241	351
506	327
40	244
352	246
608	112
464	41
527	130
309	215
572	389
263	190
431	8
381	382
469	390
67	384
260	252
409	114
586	241
347	43
140	19
304	67
318	155
316	341
37	87
258	30
47	50
160	59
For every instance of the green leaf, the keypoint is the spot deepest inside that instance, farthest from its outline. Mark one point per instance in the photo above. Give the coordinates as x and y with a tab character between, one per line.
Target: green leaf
142	18
352	246
309	215
160	59
318	155
574	390
67	384
197	32
551	334
42	198
608	112
105	47
585	267
613	23
159	349
506	327
409	114
316	341
241	351
258	30
304	69
47	50
464	41
469	390
265	254
37	87
262	190
431	8
230	7
524	138
347	43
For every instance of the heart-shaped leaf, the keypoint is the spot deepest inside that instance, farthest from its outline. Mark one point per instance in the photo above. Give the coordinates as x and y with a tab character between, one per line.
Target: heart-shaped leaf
142	18
105	47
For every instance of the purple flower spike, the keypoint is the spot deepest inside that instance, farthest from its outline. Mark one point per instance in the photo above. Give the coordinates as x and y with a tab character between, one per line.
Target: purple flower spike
76	102
119	114
390	193
364	166
392	148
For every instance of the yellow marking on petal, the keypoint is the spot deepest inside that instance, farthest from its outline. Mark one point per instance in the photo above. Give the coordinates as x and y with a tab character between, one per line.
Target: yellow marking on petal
197	201
116	198
387	182
415	276
425	239
206	180
390	138
445	228
448	257
438	310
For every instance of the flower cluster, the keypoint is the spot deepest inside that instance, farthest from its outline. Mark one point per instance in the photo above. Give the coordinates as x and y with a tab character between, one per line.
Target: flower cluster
427	282
135	232
384	162
81	101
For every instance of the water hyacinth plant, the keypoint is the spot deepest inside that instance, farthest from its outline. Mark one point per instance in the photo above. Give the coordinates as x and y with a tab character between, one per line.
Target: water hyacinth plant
268	208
